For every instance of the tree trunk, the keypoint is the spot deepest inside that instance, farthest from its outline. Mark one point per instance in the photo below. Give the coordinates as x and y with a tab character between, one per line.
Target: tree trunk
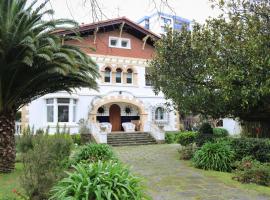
7	142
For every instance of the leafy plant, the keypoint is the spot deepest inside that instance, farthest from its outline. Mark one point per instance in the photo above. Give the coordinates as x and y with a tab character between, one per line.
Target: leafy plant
76	139
187	152
24	143
93	153
170	137
206	128
44	164
187	137
39	131
100	180
201	139
220	132
258	149
252	171
214	156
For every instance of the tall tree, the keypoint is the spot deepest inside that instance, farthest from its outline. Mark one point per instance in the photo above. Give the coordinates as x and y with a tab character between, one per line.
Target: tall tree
34	62
220	68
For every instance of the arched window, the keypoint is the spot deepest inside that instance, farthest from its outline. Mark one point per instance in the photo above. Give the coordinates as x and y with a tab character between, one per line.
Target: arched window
118	76
159	113
129	76
107	75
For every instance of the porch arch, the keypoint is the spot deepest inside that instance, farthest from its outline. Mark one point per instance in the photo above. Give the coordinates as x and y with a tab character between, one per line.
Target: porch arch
119	99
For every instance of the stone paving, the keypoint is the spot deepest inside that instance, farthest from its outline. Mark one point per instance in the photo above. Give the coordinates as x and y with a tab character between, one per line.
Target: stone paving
169	178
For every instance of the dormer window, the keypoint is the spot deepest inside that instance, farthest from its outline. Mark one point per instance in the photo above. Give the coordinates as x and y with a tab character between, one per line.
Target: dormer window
117	42
113	42
124	43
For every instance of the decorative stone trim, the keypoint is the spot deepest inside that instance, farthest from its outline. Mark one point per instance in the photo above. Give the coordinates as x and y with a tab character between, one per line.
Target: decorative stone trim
24	117
119	99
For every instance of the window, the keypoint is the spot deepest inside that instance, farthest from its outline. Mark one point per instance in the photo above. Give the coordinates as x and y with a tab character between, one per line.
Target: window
118	76
113	42
220	123
124	43
117	42
147	77
49	103
129	76
107	75
159	113
166	21
61	110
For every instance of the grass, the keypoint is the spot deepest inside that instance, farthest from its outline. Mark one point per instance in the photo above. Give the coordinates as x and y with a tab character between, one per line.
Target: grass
226	178
9	182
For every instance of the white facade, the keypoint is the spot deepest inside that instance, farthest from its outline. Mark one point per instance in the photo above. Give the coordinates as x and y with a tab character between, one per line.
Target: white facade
158	21
67	109
232	126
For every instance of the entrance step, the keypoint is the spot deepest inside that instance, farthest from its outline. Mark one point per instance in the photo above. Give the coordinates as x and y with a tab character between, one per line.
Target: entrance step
130	138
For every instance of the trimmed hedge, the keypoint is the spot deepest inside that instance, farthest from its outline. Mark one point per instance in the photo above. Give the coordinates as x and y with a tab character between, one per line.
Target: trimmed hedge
258	149
220	132
187	138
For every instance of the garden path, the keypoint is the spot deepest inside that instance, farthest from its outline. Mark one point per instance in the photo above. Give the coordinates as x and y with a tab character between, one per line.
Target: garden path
169	178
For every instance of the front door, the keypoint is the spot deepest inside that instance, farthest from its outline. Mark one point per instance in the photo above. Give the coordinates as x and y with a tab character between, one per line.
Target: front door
115	117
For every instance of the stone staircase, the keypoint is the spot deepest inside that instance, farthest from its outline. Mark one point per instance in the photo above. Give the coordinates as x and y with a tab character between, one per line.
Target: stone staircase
130	138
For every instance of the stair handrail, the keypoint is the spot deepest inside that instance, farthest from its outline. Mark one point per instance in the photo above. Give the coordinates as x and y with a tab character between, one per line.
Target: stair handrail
157	131
99	134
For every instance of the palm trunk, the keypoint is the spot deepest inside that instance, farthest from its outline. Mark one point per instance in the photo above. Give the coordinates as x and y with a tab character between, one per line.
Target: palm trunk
7	142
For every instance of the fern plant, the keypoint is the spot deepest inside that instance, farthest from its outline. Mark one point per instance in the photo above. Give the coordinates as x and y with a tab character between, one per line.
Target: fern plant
214	156
99	181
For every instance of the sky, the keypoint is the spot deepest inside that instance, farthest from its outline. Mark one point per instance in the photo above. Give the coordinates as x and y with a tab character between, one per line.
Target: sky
80	10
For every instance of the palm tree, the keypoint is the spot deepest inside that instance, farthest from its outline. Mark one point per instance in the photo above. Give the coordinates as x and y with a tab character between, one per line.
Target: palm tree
34	62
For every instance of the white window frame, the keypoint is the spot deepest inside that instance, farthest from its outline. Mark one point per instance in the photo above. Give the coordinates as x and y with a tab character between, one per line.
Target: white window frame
131	77
72	106
119	42
121	76
105	75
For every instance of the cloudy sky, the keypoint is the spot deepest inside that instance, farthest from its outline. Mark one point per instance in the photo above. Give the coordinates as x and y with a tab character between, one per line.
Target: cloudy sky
80	10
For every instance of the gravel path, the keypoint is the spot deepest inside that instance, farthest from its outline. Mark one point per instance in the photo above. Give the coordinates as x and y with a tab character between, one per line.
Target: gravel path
169	178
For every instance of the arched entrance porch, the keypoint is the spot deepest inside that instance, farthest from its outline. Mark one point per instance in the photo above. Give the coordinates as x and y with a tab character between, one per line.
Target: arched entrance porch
108	109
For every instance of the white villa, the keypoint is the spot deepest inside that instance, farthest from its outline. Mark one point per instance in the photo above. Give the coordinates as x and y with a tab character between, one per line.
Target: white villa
125	95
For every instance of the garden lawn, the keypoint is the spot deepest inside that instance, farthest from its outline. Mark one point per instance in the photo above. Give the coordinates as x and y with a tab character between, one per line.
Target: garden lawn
9	182
168	178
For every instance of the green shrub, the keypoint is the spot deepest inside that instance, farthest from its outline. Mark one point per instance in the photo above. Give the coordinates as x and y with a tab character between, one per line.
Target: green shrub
206	128
40	131
252	171
100	180
93	153
246	163
24	143
170	138
220	132
44	164
76	139
214	156
187	152
186	138
201	139
259	149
